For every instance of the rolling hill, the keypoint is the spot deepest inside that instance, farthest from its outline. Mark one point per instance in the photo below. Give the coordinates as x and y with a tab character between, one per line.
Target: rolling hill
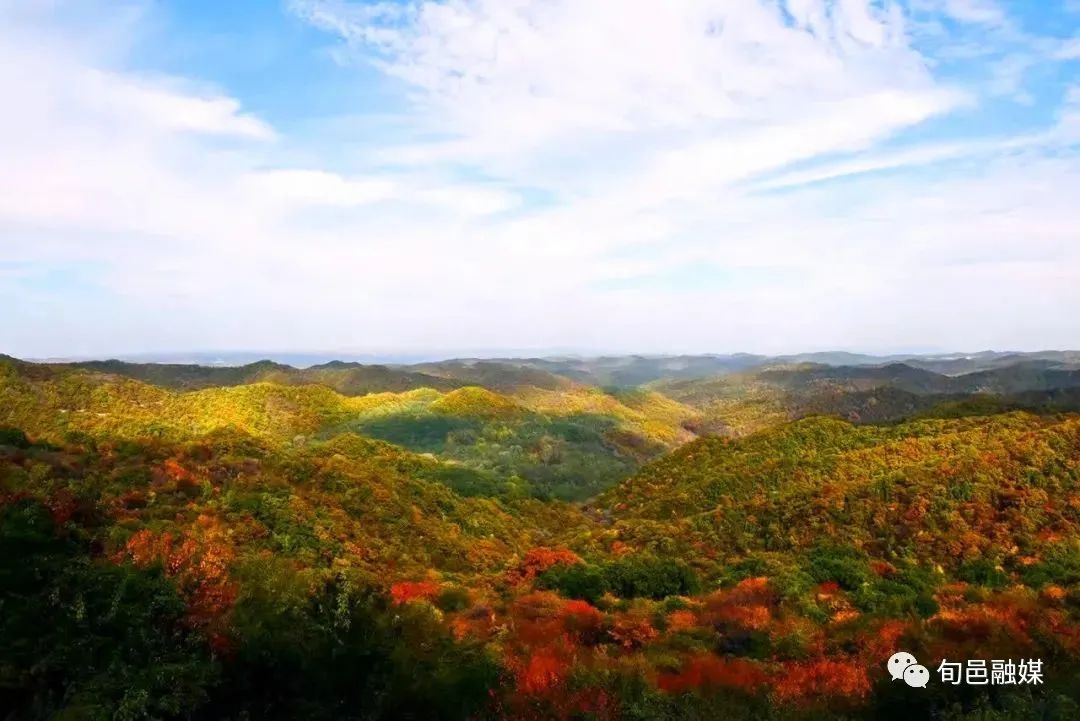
349	379
564	444
282	550
755	399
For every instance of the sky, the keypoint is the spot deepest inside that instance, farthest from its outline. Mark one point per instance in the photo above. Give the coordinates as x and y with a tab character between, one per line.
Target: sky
671	176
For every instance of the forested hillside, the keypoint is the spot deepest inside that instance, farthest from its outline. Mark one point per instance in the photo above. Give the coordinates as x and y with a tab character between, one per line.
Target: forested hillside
509	542
349	379
758	398
565	443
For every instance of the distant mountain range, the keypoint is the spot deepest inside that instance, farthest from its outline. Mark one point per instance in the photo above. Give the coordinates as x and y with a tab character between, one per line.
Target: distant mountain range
541	419
604	370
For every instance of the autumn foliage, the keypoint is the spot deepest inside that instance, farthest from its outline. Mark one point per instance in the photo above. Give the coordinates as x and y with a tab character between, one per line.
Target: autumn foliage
824	680
705	671
259	553
406	591
538	560
200	565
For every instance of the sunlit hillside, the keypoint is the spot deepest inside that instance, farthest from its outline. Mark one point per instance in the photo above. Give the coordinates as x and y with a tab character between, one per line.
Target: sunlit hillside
721	559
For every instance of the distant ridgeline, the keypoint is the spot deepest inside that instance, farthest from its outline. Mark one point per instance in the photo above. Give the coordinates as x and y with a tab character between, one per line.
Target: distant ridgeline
693	537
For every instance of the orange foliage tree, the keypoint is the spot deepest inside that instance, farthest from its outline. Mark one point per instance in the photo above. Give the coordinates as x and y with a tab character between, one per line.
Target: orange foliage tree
537	560
407	591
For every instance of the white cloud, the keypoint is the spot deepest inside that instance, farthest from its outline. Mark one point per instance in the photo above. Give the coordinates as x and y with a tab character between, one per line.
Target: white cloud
1068	50
299	188
525	73
576	142
980	12
162	107
317	187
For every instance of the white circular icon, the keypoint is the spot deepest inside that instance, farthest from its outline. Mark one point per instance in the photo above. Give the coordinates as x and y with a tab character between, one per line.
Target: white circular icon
916	676
899	662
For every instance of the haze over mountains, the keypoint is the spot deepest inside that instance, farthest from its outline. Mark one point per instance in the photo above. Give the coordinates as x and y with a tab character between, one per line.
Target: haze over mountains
705	363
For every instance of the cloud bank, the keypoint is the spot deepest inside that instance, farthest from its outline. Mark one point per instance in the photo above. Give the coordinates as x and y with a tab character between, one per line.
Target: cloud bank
697	175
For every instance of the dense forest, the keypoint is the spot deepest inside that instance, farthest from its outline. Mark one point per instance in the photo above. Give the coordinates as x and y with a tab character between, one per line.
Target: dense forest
633	538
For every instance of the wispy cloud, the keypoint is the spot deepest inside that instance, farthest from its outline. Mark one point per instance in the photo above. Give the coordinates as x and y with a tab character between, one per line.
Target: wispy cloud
980	12
1068	50
554	168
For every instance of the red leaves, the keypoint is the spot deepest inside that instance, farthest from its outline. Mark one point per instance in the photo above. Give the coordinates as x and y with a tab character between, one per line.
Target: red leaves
62	506
711	671
145	547
884	641
681	620
175	471
536	618
542	691
542	671
582	621
632	631
828	589
823	679
749	605
537	560
199	564
1054	594
407	591
883	569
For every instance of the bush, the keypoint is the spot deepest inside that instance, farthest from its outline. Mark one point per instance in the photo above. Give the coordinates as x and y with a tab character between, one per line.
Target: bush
1059	566
634	577
13	437
643	576
846	566
982	573
452	599
82	638
910	591
342	653
582	581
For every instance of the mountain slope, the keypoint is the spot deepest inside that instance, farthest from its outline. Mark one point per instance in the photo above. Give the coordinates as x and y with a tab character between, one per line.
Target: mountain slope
744	402
252	551
346	378
565	450
935	491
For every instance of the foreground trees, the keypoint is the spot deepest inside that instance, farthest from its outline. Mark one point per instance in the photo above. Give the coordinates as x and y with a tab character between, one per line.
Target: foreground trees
230	577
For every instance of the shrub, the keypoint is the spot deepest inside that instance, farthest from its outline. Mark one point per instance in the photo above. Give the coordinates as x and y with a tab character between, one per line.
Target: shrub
846	566
644	576
454	598
1059	566
582	581
632	577
982	573
13	437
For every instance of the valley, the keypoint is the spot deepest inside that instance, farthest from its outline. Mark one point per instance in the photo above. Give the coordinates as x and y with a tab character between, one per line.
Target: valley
638	538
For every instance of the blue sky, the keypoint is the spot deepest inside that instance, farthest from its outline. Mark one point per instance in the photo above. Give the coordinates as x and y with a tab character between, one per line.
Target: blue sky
604	175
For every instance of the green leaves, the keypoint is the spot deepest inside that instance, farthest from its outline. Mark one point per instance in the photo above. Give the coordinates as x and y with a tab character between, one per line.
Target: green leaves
85	638
630	577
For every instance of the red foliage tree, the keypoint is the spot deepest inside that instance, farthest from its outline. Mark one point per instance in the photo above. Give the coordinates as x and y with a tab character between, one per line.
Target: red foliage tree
711	671
200	566
537	560
407	591
822	679
583	621
632	631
